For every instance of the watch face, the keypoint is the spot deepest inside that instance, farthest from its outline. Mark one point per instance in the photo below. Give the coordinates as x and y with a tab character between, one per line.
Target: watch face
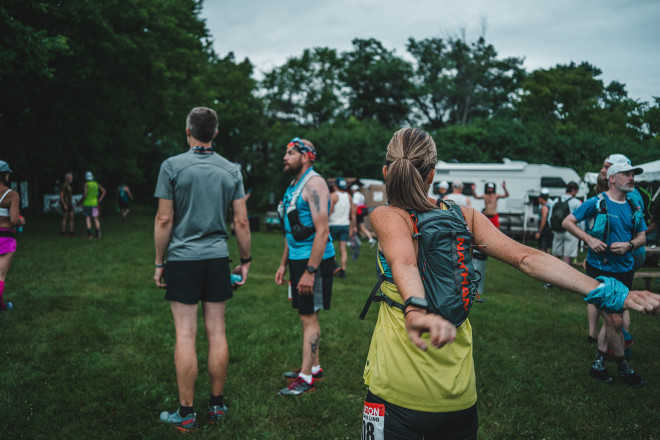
417	302
311	269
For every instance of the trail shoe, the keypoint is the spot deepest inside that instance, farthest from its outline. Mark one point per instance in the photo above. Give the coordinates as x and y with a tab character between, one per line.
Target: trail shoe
217	413
298	386
293	375
187	423
628	375
9	306
599	372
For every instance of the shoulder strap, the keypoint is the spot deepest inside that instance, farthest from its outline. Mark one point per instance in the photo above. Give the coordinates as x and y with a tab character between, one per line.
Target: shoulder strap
4	195
301	186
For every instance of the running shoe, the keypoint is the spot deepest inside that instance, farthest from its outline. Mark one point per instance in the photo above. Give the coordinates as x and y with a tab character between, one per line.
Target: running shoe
293	375
187	423
298	386
628	375
599	372
217	413
9	306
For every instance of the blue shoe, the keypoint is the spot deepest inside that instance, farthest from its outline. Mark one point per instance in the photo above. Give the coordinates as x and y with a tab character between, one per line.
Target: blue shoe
187	423
217	413
9	306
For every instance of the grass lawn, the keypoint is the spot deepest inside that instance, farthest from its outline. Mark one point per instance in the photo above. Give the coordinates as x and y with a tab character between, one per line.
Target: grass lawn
87	351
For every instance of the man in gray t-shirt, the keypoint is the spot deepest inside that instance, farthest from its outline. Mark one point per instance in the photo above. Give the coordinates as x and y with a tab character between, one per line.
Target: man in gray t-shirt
195	190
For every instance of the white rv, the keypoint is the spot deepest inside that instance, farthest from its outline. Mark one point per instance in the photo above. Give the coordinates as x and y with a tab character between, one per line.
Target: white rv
519	213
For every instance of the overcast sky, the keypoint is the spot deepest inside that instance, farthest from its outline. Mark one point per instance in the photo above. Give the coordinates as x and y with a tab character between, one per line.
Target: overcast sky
621	37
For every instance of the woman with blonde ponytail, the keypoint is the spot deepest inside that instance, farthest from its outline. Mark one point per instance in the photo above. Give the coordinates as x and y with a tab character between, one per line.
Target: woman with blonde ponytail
420	370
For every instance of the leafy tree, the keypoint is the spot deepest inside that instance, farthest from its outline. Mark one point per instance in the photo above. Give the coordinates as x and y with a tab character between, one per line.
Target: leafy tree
113	92
457	81
379	83
306	90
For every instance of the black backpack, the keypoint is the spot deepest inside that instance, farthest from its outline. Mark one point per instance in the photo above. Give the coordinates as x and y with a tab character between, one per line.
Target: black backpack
444	263
560	210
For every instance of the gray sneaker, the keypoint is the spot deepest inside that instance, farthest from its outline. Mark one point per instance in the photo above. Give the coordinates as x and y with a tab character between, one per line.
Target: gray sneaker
298	386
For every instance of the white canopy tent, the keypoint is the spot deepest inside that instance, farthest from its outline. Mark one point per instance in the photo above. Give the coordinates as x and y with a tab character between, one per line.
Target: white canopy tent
651	172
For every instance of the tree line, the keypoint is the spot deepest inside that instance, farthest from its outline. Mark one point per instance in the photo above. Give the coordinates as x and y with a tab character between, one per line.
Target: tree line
106	85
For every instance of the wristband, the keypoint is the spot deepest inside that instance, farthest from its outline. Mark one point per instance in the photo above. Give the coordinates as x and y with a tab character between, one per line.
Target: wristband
413	310
632	245
160	266
246	260
609	295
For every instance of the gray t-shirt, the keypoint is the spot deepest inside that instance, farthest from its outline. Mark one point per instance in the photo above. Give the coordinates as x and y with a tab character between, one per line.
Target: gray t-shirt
202	186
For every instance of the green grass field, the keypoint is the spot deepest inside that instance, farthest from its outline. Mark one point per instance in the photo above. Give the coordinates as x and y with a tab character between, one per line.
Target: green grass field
87	351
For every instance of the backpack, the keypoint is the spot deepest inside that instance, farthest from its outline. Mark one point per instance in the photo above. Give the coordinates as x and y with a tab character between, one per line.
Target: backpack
560	210
598	225
444	262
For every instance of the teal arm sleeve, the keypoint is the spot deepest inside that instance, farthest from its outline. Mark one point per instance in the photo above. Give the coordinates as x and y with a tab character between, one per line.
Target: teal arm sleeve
609	296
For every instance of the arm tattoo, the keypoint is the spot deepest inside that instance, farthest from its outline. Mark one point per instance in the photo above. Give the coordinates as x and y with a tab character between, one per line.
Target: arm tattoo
314	343
317	200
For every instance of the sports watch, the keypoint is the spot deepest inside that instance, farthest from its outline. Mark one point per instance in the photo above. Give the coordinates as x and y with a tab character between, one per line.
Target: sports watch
311	269
416	301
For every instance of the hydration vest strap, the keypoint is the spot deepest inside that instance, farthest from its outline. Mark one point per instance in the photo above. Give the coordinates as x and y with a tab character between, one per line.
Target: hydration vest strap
372	295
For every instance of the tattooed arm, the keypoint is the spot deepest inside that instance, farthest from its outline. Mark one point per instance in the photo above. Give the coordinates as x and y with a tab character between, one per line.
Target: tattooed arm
317	195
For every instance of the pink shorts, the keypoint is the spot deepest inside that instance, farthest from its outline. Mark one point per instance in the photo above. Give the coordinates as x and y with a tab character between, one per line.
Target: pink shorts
7	244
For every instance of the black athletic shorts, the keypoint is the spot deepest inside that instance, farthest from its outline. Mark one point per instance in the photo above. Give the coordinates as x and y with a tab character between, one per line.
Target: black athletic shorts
625	277
385	421
308	304
189	282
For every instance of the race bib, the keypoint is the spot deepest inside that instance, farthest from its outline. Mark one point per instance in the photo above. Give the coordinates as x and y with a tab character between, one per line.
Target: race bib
373	421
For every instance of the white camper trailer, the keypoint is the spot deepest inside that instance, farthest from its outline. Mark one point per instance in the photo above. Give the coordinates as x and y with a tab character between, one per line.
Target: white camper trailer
519	212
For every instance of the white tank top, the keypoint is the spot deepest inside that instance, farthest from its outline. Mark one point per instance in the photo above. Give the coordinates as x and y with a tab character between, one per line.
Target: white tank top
460	199
341	212
4	212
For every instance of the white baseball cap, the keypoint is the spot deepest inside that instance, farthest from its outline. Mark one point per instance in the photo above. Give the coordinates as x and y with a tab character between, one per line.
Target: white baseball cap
443	185
89	175
354	187
622	168
617	158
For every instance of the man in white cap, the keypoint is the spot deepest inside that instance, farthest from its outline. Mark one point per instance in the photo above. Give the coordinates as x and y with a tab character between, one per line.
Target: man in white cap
615	228
441	189
639	254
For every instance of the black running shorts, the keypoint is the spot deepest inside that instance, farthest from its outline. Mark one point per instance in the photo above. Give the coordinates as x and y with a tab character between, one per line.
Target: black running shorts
384	421
625	277
308	304
189	282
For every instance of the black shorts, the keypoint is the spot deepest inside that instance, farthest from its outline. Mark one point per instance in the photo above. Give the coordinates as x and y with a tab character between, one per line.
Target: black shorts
123	205
397	423
625	277
360	218
189	282
308	304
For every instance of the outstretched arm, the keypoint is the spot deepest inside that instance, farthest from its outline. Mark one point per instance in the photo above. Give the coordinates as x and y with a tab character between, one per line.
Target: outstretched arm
544	267
474	192
506	191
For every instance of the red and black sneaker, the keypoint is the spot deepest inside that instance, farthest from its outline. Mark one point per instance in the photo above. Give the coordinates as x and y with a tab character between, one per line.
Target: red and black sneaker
298	386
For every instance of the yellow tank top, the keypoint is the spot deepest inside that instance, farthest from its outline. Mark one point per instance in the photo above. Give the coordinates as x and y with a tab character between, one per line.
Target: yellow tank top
436	380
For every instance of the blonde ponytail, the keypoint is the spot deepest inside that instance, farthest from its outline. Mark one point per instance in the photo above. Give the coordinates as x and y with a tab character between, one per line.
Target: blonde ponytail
411	155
